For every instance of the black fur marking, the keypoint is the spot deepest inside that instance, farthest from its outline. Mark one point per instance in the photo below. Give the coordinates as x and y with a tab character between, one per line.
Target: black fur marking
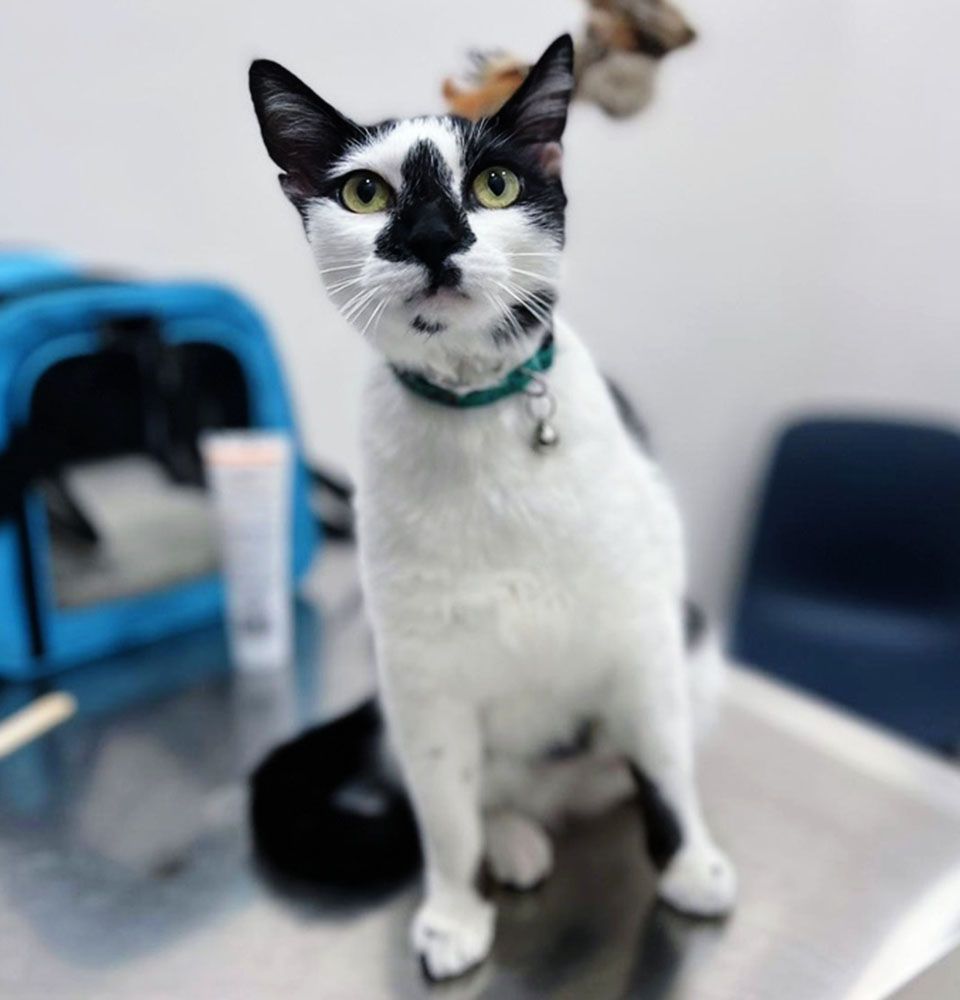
661	829
303	134
517	136
629	416
459	977
542	197
428	224
422	325
694	624
581	742
537	111
523	320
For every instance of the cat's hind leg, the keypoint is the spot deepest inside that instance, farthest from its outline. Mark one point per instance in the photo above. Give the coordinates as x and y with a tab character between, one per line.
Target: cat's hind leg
649	718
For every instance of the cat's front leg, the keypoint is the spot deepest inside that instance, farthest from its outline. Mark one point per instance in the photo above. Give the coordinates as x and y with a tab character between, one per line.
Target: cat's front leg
437	738
650	719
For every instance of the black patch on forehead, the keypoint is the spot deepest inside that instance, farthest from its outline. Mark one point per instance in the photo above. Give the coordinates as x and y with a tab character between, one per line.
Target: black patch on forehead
425	172
483	145
428	222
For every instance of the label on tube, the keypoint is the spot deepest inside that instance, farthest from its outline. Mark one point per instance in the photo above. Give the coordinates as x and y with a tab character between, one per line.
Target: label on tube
250	475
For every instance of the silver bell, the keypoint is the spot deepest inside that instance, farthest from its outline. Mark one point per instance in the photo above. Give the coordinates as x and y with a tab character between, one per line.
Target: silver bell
546	436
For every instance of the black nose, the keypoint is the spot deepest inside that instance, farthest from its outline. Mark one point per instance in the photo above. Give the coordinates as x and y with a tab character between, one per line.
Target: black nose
434	234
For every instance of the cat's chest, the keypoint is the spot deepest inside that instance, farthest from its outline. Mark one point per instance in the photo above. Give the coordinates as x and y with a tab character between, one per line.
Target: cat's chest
465	498
481	469
481	495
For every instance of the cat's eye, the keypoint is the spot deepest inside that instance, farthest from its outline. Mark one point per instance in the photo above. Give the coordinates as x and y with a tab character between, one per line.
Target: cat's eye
364	192
496	187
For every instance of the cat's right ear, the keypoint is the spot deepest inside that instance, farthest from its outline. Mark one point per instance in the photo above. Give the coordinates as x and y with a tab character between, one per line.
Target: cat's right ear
303	134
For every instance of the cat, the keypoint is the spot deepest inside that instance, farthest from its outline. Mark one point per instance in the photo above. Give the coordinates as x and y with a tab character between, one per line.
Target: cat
522	557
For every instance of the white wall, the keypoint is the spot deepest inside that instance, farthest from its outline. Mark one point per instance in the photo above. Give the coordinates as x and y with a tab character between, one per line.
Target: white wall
778	233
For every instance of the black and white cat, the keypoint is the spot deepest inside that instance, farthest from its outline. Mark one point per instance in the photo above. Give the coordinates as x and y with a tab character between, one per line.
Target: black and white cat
522	558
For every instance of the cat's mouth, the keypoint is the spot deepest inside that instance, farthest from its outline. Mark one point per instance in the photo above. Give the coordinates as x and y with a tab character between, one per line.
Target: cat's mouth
443	287
441	296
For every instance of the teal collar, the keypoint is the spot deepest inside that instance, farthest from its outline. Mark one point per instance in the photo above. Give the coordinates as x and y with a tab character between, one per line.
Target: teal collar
513	382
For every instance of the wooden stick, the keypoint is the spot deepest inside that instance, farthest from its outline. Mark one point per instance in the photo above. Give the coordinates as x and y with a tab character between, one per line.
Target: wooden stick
35	719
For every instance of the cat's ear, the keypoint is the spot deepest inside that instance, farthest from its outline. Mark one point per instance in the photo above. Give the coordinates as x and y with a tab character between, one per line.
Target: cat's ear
302	133
537	113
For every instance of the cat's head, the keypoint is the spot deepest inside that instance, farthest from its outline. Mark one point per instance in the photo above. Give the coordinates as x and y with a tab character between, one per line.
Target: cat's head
438	238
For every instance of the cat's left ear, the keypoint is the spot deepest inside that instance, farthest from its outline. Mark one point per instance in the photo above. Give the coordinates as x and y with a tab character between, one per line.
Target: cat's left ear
536	114
302	132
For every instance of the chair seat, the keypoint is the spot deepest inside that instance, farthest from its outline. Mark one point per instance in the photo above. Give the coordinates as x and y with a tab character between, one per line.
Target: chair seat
898	666
851	586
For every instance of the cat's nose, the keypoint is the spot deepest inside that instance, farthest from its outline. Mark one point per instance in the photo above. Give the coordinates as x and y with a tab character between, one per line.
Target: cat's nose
434	236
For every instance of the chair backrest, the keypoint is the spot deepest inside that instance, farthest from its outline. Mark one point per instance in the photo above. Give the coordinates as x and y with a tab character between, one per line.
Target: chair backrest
867	510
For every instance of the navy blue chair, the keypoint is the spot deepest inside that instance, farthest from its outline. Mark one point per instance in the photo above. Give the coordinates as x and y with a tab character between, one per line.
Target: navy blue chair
852	583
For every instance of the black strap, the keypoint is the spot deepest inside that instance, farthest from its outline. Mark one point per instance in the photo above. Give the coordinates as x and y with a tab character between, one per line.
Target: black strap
332	503
29	456
170	431
28	580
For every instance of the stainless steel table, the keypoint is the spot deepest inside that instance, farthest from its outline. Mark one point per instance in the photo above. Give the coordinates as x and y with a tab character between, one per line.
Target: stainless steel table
125	866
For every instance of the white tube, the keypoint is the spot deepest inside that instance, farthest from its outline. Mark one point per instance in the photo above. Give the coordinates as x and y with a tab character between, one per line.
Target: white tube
249	474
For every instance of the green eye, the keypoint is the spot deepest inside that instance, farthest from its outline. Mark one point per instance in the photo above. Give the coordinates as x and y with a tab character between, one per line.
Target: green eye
496	187
364	192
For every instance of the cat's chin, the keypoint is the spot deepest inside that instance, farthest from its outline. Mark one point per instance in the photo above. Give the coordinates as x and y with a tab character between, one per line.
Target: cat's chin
454	346
445	309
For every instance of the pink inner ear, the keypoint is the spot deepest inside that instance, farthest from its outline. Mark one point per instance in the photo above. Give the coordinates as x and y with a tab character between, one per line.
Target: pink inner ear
551	158
295	187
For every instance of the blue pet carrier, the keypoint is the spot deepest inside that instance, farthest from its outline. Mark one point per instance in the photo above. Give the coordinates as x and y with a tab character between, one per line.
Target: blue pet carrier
92	368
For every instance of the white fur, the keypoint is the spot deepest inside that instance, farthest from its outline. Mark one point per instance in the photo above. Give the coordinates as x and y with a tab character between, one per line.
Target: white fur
512	593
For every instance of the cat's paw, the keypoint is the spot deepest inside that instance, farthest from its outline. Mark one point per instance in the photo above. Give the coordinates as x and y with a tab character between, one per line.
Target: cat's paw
699	881
452	934
519	852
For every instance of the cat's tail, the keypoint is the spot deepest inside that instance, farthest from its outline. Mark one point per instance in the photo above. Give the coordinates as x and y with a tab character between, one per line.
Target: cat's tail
325	808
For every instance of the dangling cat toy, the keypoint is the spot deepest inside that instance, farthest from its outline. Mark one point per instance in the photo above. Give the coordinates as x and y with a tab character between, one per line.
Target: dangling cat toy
618	58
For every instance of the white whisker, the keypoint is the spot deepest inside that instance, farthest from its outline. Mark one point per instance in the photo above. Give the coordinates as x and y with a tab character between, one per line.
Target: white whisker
342	267
343	284
350	309
531	274
377	312
526	302
370	304
515	294
346	305
354	313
